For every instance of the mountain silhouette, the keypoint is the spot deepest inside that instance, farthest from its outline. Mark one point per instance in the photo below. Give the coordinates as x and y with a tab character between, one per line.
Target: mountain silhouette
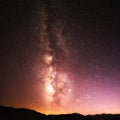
105	117
9	113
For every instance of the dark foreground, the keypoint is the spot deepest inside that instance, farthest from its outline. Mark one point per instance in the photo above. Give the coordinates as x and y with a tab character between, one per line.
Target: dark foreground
9	113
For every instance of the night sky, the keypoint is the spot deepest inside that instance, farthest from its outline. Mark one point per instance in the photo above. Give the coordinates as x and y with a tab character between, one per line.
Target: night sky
60	56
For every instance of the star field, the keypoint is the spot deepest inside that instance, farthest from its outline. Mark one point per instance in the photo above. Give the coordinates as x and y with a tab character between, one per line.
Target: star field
60	56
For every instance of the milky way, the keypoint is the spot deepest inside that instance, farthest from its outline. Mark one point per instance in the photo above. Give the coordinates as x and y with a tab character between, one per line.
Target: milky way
60	56
55	79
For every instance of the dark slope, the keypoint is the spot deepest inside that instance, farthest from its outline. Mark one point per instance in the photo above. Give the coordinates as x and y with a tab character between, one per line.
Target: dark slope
73	116
105	117
9	113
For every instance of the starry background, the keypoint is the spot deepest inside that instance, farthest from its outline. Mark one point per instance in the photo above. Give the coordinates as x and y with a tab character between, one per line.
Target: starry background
91	30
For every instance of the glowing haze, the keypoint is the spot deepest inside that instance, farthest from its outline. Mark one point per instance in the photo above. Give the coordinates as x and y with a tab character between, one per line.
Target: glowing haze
56	84
60	56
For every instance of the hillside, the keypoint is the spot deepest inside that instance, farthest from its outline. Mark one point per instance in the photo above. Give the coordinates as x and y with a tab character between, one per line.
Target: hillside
9	113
